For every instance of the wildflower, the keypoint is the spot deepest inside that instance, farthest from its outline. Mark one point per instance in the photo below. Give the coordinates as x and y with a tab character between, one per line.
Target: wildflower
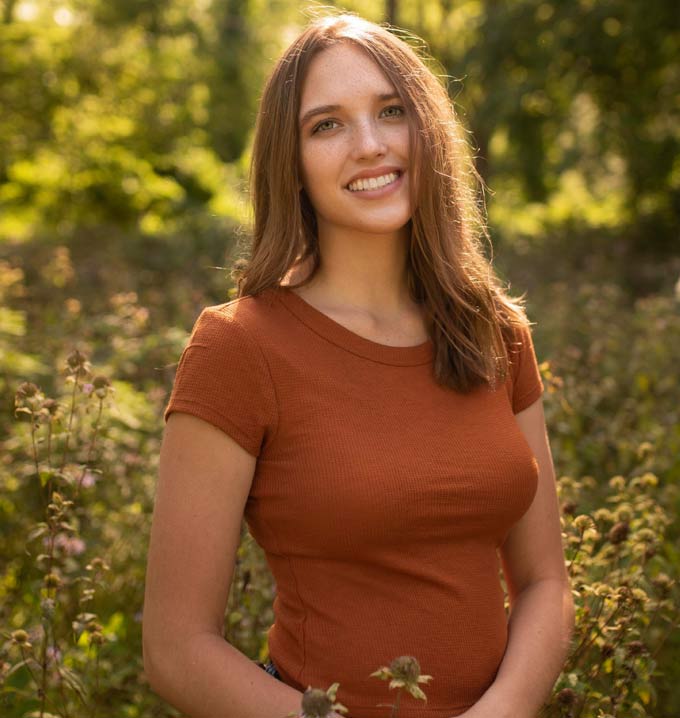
319	704
89	480
20	638
53	654
663	583
51	407
77	364
618	532
635	648
47	605
569	508
97	564
28	398
583	522
607	650
71	545
649	480
52	580
618	483
101	386
566	697
97	637
404	672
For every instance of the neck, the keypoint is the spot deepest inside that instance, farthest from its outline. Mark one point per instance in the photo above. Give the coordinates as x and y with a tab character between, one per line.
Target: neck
362	272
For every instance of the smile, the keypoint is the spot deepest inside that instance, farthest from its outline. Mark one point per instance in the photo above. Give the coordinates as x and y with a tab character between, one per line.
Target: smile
373	183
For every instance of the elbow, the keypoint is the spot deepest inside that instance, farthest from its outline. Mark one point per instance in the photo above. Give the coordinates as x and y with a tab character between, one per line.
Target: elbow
149	663
154	658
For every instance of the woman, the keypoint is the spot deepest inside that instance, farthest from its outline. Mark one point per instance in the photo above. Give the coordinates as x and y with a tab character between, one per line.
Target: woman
371	402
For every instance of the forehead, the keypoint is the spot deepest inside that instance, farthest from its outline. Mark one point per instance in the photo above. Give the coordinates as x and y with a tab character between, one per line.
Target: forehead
342	71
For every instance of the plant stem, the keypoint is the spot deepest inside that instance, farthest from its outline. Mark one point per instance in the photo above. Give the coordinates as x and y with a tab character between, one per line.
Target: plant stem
91	447
395	707
70	422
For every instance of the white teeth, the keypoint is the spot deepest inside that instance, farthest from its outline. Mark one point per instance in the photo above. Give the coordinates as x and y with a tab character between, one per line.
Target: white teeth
373	182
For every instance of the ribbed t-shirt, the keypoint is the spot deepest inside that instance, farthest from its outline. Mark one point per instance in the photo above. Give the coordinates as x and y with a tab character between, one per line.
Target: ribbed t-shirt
380	498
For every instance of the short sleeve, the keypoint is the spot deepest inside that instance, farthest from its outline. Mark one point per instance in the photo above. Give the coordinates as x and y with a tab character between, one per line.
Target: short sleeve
223	378
524	385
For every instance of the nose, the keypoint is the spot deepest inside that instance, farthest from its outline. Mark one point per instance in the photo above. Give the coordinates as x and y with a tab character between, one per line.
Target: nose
368	140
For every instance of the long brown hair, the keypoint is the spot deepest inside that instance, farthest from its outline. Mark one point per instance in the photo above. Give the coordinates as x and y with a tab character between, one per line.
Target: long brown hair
471	319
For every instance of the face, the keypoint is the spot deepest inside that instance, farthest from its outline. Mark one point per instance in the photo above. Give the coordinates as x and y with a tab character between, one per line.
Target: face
364	135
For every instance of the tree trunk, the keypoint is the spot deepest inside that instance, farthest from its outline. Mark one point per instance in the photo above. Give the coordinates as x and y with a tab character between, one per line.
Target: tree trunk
391	12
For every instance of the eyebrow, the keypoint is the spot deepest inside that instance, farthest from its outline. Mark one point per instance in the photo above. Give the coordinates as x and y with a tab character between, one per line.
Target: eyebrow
323	109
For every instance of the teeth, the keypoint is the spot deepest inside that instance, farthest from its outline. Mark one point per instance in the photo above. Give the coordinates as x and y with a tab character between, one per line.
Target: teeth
373	182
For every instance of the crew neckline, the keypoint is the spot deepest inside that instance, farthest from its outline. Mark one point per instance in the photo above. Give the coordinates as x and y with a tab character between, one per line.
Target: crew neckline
345	338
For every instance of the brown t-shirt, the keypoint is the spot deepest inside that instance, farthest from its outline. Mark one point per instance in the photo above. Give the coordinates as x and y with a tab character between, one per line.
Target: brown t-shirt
379	497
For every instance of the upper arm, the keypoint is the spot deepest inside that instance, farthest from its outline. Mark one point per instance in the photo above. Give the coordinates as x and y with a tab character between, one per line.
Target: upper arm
533	548
203	484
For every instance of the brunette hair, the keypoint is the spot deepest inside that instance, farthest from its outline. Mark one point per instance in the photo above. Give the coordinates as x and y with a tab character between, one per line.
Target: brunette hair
472	321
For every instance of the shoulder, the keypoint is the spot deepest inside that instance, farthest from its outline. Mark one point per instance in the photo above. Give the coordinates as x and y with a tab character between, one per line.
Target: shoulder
523	382
247	317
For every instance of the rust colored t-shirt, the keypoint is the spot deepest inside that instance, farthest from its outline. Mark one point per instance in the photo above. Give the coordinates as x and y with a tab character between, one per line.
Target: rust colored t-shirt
379	497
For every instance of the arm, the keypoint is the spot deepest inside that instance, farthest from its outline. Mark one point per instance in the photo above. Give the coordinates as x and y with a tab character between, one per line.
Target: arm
541	604
204	481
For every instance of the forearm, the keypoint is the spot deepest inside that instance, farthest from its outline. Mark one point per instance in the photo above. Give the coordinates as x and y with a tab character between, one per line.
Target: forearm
209	678
539	633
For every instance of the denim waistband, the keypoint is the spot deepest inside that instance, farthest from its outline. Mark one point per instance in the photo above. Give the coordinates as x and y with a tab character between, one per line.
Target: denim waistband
270	668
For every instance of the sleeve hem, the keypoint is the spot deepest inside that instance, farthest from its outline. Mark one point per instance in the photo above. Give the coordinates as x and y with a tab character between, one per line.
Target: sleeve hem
527	400
216	419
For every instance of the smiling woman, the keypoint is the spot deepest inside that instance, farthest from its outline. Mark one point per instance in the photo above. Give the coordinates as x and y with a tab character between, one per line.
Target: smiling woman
371	404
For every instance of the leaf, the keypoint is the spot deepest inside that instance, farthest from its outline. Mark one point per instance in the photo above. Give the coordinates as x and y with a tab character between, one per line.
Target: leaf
416	692
73	680
19	665
39	530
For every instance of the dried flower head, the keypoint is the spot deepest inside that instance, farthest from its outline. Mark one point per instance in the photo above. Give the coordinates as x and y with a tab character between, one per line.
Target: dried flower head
101	385
404	672
20	638
320	704
77	364
635	648
316	703
566	697
52	580
28	398
663	583
51	406
569	508
607	650
583	522
618	532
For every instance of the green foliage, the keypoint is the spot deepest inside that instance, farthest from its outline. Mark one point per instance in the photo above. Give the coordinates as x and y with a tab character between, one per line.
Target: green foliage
83	461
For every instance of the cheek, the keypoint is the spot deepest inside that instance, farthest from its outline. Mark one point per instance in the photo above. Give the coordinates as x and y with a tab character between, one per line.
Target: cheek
319	165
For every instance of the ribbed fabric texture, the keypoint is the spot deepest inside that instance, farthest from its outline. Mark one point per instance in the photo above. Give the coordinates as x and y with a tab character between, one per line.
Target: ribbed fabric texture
379	497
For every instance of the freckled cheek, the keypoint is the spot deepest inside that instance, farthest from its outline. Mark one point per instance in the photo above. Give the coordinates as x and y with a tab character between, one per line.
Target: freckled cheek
321	167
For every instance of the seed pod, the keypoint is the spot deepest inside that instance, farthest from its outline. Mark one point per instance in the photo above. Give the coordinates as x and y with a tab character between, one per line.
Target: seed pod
316	703
405	668
566	697
618	532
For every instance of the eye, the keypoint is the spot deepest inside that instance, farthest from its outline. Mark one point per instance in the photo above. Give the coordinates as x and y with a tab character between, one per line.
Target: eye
400	110
321	124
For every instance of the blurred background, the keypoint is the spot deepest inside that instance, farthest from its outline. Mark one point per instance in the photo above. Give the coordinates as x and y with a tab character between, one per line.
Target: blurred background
125	132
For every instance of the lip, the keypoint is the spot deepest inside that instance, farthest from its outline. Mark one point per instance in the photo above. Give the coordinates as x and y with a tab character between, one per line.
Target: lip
377	172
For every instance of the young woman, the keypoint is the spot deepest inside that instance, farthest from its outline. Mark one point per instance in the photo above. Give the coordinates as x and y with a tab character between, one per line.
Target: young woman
371	403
